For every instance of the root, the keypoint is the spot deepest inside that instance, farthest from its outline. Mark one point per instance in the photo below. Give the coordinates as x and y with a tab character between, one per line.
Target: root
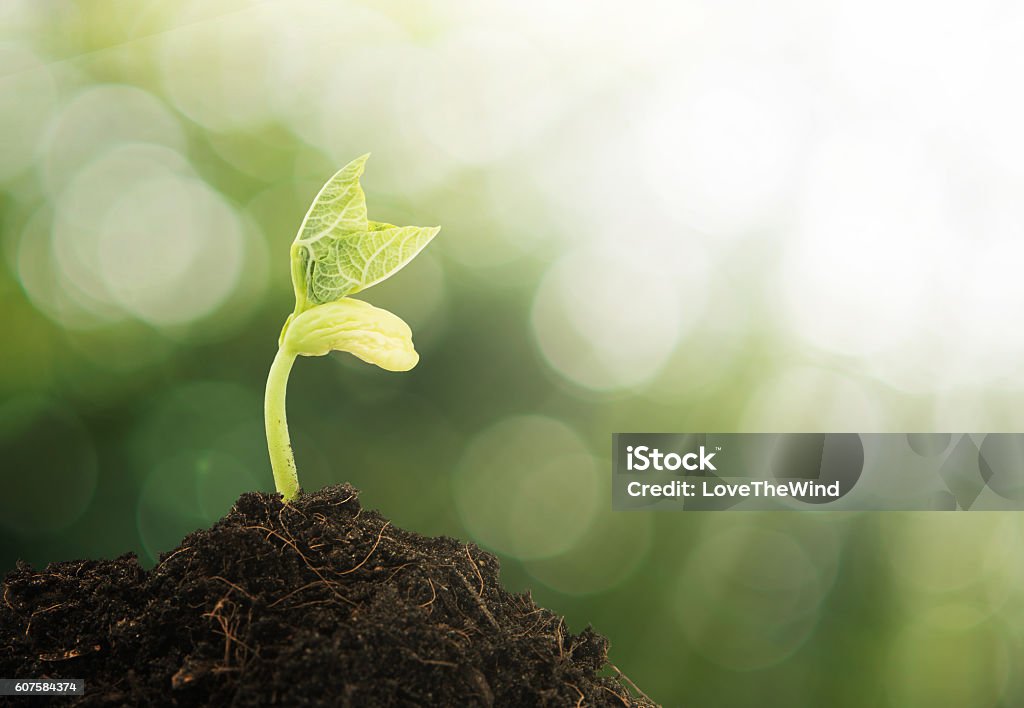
307	586
168	558
375	544
396	570
433	662
478	600
39	612
315	571
476	570
531	629
579	703
624	700
233	586
433	596
70	653
559	640
629	681
229	629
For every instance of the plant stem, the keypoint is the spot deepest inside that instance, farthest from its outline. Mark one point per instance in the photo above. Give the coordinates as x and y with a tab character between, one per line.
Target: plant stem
281	458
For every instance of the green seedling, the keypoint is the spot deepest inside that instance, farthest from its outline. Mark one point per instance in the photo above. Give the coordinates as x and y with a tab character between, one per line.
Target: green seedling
337	253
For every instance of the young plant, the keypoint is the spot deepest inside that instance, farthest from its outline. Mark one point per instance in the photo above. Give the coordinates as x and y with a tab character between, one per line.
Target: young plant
337	253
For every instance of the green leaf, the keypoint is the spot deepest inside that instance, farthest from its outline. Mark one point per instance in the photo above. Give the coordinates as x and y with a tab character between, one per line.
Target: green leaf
339	208
345	265
339	252
374	335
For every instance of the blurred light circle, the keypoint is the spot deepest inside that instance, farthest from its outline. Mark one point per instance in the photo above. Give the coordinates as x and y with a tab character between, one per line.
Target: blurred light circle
493	234
712	352
351	112
217	71
170	250
220	480
45	285
929	444
810	399
215	449
721	143
609	317
930	555
480	94
244	440
137	345
946	659
748	598
200	414
527	487
874	261
50	469
336	126
28	95
610	552
78	219
331	64
138	234
184	492
99	119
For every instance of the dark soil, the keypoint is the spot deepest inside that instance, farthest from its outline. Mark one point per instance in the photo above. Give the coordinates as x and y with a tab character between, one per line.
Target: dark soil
315	603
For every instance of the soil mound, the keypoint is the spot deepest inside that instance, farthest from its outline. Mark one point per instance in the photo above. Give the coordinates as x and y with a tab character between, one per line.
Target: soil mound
319	602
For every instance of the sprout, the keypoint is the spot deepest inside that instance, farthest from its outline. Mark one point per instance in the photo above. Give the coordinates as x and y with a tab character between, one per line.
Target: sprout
337	253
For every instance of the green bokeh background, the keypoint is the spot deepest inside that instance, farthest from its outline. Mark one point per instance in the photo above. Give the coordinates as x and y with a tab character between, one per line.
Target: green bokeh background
156	161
